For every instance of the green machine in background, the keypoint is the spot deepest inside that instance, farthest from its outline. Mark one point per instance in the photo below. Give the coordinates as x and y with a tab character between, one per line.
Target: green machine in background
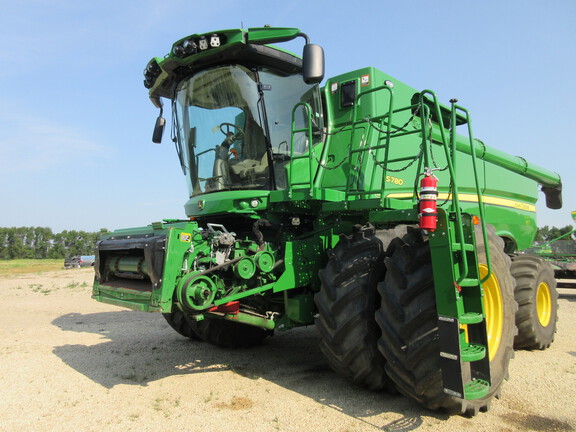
355	206
560	252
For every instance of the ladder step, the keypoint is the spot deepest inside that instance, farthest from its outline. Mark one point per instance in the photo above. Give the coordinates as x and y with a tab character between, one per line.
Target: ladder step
469	282
476	389
470	318
473	352
458	247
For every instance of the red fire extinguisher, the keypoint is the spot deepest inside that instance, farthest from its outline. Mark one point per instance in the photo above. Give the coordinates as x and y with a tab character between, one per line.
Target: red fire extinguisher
428	194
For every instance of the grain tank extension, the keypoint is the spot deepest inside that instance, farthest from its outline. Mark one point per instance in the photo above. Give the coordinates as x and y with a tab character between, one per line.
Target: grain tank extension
363	206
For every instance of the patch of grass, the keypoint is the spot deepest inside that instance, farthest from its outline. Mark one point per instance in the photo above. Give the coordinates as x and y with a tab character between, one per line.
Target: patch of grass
133	377
158	404
209	398
39	288
72	285
21	266
130	377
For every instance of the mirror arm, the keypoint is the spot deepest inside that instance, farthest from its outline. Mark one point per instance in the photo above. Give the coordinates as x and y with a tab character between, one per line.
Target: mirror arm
306	38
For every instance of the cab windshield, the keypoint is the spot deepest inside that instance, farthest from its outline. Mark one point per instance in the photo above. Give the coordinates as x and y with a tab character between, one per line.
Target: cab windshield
233	127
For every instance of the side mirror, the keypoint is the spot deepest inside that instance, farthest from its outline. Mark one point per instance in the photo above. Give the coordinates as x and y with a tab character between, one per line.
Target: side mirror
158	130
313	64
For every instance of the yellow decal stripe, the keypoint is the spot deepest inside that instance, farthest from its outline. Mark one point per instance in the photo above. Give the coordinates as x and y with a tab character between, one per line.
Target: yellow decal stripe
473	198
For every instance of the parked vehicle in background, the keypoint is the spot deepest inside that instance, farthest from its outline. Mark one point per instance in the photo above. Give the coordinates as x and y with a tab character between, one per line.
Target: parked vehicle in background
78	261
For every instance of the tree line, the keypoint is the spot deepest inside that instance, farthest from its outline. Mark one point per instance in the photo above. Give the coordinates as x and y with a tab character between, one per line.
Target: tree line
546	233
41	243
546	241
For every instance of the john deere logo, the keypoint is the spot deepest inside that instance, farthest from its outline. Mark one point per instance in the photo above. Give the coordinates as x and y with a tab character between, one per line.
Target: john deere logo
201	205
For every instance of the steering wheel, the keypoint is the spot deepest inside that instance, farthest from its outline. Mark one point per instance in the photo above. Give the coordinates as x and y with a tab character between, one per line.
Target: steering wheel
226	129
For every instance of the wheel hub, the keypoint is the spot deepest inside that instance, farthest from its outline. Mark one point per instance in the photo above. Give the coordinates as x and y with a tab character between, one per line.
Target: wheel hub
543	304
494	310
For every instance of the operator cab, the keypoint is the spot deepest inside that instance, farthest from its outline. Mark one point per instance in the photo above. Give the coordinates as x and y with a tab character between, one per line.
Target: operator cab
233	127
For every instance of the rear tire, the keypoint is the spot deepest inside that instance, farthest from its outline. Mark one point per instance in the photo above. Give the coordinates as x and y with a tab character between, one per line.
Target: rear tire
183	324
537	299
408	321
347	304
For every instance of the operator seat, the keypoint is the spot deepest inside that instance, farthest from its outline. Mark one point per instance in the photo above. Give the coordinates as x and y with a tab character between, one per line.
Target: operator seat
250	167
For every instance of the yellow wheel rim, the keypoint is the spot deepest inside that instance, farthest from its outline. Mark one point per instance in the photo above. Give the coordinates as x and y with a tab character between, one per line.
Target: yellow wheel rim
494	310
543	304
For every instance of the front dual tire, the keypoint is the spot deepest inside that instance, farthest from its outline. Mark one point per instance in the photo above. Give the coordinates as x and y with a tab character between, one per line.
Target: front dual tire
390	283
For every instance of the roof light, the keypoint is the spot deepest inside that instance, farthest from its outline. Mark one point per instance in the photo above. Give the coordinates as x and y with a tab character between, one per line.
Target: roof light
151	73
178	51
214	41
189	47
192	46
153	68
203	43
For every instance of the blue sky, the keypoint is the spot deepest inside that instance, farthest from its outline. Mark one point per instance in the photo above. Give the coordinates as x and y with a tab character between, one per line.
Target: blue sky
76	122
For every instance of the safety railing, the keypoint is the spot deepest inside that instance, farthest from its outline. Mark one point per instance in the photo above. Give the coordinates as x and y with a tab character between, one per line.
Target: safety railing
426	108
305	155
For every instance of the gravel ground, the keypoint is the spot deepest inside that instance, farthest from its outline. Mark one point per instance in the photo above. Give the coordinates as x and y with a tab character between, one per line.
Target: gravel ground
68	363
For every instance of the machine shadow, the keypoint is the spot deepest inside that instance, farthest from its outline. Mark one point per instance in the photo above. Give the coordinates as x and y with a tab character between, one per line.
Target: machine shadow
567	294
138	348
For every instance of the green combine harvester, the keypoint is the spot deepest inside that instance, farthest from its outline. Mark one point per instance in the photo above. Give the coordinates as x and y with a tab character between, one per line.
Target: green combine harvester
560	252
362	206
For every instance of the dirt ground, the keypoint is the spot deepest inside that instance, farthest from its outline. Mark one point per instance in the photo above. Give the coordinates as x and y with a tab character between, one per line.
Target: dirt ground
69	363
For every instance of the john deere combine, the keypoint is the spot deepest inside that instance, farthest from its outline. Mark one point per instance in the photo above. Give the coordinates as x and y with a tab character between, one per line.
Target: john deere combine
363	206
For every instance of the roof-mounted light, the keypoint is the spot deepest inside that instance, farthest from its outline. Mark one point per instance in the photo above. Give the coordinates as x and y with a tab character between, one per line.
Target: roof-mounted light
191	46
151	72
186	48
214	41
203	43
178	51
